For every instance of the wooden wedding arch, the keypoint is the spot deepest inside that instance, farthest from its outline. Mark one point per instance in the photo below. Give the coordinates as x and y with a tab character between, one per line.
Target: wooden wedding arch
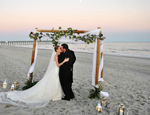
98	54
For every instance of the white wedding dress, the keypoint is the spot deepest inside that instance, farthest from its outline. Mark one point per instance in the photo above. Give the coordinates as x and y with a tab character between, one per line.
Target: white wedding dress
48	88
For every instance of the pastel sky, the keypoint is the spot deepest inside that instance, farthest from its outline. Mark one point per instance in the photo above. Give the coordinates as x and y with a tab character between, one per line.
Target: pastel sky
121	20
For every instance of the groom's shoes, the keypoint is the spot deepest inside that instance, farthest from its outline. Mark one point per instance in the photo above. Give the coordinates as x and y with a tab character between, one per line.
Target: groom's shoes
65	99
72	97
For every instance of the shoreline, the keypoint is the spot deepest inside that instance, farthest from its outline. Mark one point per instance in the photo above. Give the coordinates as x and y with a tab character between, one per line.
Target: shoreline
111	54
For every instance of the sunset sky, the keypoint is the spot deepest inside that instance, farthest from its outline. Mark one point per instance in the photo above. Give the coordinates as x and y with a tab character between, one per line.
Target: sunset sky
121	20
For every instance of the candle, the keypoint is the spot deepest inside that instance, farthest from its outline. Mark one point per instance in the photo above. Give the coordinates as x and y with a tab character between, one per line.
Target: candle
121	109
99	107
12	87
121	112
5	84
16	84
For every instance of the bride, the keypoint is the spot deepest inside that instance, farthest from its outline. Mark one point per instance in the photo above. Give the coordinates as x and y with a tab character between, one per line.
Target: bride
48	88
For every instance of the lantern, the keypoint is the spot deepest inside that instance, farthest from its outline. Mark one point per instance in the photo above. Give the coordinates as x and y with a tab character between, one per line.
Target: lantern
121	109
99	107
16	84
12	87
4	84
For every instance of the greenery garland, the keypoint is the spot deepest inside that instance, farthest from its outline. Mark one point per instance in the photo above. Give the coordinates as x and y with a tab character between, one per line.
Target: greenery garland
55	36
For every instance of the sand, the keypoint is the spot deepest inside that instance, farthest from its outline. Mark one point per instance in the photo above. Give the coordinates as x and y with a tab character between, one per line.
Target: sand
127	80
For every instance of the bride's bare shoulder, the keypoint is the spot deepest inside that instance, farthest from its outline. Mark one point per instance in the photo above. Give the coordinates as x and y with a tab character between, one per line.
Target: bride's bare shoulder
56	57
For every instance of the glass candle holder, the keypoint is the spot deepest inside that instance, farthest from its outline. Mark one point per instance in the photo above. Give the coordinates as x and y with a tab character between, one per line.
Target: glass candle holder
99	107
4	84
12	87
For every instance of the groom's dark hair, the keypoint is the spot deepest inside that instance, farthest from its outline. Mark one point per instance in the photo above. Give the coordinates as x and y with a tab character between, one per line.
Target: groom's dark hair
65	46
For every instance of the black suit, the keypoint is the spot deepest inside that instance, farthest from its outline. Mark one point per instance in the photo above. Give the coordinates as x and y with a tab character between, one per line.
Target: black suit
66	73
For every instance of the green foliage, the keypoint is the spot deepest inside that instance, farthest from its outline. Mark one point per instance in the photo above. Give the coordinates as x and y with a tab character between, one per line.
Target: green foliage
35	36
95	93
70	33
28	84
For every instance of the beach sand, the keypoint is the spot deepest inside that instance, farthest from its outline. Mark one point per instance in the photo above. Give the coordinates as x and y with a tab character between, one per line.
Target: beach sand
127	80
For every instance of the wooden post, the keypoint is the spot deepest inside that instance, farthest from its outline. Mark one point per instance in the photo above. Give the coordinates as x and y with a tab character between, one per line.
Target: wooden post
97	61
32	59
102	68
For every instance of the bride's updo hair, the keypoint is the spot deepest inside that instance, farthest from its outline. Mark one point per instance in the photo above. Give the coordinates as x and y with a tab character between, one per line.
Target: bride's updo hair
55	48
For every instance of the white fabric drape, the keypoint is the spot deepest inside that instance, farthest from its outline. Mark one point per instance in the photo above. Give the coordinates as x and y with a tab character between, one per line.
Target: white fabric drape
101	61
104	94
94	63
31	69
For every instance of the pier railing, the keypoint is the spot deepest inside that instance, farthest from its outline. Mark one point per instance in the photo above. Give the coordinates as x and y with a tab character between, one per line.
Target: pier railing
18	43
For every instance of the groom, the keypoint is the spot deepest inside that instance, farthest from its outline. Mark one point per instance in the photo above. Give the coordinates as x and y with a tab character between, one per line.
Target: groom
66	71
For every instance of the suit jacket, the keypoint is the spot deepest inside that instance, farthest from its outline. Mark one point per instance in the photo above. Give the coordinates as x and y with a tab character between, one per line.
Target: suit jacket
66	70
